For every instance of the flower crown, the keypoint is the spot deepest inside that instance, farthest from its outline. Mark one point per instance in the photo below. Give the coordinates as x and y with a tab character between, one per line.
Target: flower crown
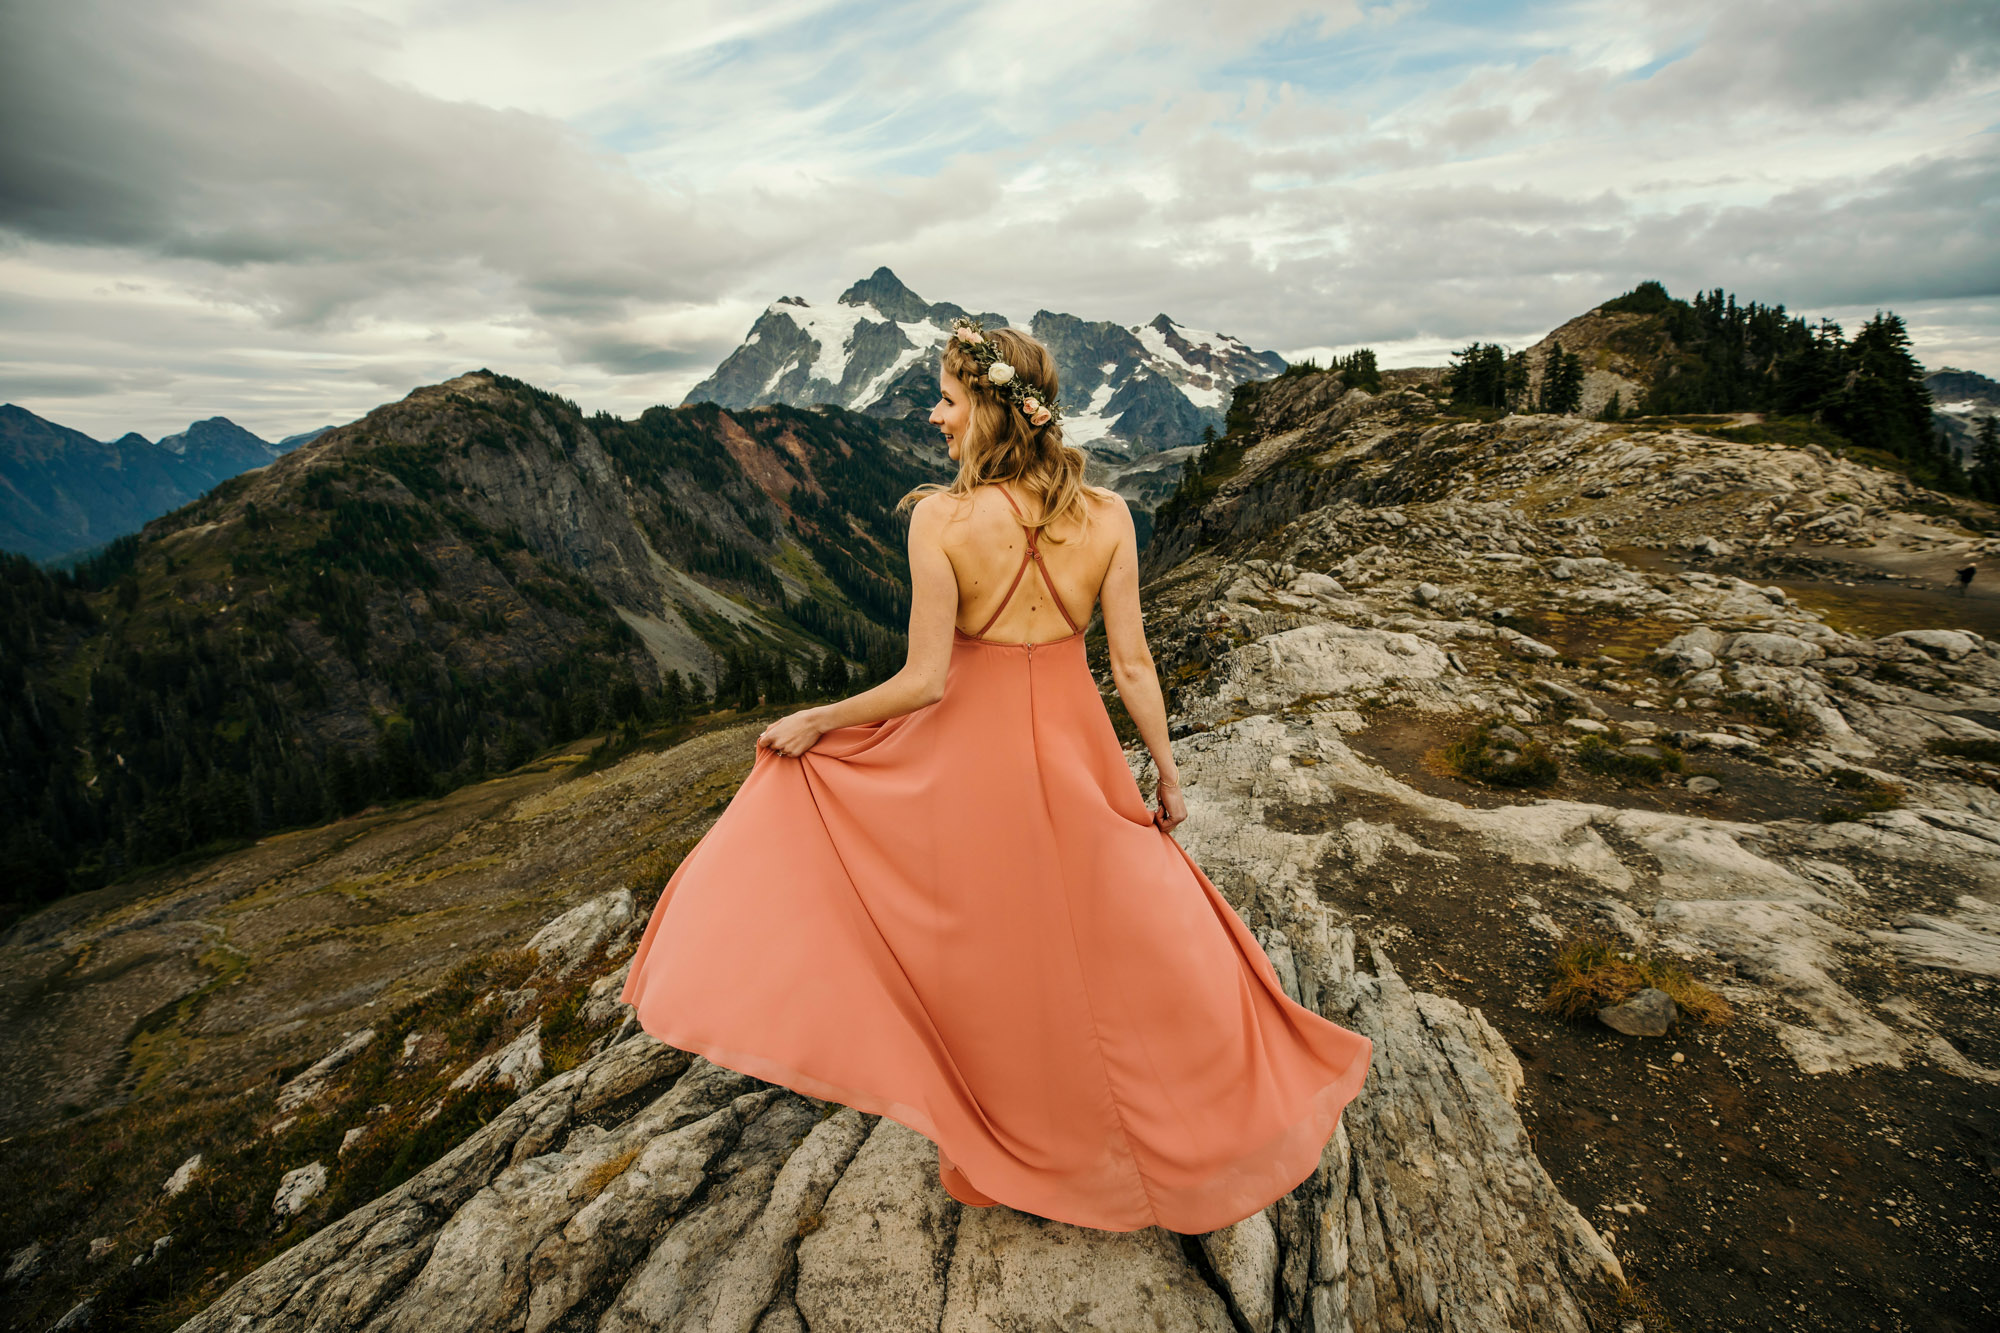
999	375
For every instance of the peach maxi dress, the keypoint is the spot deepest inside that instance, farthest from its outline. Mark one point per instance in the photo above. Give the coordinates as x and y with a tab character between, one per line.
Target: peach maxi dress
965	919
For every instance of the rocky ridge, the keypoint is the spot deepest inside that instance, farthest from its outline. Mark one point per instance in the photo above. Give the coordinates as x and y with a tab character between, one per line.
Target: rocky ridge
1807	815
1397	557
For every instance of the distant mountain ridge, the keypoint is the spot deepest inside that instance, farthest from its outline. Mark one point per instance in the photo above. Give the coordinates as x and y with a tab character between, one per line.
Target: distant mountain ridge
1961	398
62	492
1125	390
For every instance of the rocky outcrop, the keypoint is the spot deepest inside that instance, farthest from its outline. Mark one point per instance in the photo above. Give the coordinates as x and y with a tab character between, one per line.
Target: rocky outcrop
1621	354
1387	572
647	1189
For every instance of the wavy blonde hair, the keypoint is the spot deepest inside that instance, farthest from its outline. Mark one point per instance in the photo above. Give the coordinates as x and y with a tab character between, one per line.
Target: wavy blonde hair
1000	444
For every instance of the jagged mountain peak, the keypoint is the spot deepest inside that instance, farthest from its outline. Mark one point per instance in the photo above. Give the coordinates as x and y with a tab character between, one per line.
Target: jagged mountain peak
884	291
1132	390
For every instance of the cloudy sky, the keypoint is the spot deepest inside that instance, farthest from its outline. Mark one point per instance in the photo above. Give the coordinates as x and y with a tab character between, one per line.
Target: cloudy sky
288	211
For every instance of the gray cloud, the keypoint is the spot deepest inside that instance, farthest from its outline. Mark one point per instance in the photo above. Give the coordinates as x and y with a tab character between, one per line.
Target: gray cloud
317	192
1827	56
276	219
628	356
15	384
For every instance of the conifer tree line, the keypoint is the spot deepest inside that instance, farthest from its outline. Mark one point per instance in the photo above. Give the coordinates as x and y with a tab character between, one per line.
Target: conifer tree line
1487	375
1719	355
184	737
1357	370
188	739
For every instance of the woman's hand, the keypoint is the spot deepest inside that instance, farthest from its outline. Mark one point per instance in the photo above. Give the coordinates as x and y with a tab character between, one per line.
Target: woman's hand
794	733
1172	808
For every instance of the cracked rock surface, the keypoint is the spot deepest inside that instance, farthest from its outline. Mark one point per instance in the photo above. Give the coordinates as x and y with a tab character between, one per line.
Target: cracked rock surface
710	1201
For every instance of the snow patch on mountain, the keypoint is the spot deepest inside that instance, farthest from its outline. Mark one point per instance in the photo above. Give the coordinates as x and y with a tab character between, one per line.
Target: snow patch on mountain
1128	390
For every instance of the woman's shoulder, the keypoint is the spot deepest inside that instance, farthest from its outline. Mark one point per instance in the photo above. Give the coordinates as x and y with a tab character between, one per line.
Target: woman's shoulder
1108	505
936	511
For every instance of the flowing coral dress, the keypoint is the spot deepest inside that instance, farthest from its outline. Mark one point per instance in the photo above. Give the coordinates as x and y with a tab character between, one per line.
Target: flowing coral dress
965	919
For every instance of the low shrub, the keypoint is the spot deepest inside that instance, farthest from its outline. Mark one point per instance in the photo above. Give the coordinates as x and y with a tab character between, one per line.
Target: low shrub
1978	750
1501	761
1591	971
1872	796
1599	756
1781	715
1520	622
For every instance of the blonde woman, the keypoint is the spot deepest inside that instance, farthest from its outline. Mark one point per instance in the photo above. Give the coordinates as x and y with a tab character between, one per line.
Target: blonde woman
945	900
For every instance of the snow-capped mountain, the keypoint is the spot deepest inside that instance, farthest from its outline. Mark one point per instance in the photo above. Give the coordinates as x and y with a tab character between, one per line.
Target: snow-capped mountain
874	350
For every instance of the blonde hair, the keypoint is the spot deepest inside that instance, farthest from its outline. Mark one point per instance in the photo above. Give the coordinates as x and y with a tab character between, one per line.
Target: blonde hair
1001	444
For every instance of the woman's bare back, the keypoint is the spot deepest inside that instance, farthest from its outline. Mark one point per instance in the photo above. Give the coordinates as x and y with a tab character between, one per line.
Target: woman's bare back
986	543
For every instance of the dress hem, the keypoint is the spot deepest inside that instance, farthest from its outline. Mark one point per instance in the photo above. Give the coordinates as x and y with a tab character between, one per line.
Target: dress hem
1287	1158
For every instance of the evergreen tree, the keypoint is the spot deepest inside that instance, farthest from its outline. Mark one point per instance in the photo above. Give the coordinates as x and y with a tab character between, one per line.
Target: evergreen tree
1986	458
1359	371
1945	467
1886	404
830	679
736	687
517	747
1188	489
1514	394
1479	376
1809	374
779	685
1562	381
1614	407
346	781
401	770
674	697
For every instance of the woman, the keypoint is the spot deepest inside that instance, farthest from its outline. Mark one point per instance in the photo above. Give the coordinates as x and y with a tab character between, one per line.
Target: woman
944	900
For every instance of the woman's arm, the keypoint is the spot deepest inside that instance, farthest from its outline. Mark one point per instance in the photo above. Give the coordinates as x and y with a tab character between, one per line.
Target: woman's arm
1132	668
933	613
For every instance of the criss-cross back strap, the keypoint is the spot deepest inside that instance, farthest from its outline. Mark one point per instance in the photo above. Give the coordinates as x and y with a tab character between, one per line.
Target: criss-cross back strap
1034	554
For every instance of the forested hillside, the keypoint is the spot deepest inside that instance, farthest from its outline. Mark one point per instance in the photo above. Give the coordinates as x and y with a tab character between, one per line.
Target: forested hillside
1647	353
426	596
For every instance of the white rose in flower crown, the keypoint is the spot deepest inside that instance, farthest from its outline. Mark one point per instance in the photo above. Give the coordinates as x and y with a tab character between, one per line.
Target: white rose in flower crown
1000	372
